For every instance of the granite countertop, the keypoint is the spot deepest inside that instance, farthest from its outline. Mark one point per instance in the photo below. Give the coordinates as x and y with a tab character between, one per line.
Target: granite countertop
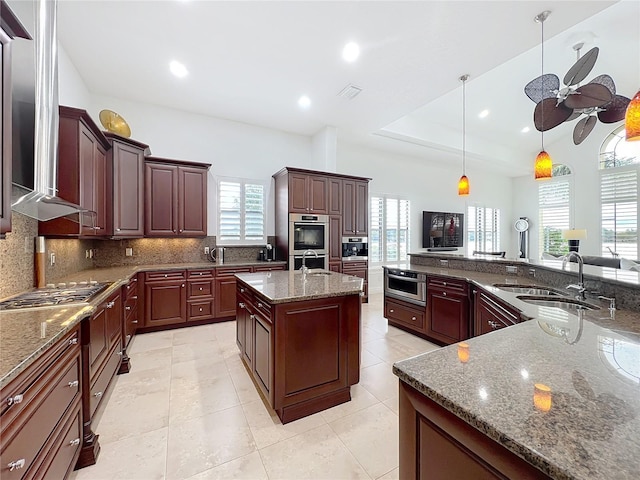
591	362
294	286
26	333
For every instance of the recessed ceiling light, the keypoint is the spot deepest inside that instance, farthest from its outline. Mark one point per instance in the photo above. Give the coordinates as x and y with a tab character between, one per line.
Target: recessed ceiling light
525	130
350	52
304	102
178	69
484	113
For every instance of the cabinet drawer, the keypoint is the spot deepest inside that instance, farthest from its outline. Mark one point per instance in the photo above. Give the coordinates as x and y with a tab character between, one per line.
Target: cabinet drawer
446	284
64	451
200	288
268	268
200	274
166	275
98	390
24	438
231	271
200	310
130	306
263	307
406	315
131	288
353	266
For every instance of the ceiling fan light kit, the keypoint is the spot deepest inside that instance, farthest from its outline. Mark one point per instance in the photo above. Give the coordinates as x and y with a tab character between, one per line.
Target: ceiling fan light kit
463	183
632	119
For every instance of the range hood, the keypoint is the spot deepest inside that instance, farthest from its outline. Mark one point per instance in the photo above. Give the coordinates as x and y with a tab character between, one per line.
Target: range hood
42	203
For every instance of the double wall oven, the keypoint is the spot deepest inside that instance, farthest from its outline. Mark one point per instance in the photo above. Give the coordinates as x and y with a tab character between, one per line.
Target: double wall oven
406	285
308	232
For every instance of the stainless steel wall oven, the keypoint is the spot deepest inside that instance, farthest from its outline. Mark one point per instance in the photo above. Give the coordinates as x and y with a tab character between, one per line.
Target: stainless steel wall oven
308	232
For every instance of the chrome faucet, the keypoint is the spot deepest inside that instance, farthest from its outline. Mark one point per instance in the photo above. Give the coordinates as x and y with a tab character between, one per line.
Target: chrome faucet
304	268
580	285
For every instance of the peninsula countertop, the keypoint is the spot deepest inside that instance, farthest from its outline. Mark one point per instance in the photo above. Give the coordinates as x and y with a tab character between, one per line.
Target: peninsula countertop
293	286
592	368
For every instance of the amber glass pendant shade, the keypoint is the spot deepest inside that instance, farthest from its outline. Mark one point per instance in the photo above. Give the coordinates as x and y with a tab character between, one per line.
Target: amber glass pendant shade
463	186
632	119
543	166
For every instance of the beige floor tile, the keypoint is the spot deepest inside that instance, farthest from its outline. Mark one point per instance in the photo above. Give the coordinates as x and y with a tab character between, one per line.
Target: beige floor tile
372	436
368	334
225	331
360	399
194	351
202	443
191	400
199	334
389	350
393	405
380	381
141	457
144	381
316	454
367	359
267	428
245	388
199	370
151	341
248	467
417	343
150	359
392	475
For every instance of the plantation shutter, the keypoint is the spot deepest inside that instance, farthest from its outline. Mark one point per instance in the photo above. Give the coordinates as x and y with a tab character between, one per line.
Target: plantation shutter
619	212
553	202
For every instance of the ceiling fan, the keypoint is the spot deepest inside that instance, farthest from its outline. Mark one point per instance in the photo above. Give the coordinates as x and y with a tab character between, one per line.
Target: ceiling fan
597	99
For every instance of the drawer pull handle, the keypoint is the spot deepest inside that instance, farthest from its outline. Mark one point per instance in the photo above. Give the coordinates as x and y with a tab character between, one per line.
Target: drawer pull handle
493	324
17	465
128	287
127	307
128	337
200	288
391	310
135	297
413	318
165	275
97	394
242	305
242	290
120	353
15	399
134	321
111	304
73	384
73	341
183	285
200	308
75	443
252	317
444	294
259	304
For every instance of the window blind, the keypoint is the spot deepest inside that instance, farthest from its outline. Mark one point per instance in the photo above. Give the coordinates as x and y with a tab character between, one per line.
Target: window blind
554	216
483	229
241	216
389	230
619	212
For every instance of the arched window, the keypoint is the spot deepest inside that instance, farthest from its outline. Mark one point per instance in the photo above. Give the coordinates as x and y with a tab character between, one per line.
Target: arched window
619	165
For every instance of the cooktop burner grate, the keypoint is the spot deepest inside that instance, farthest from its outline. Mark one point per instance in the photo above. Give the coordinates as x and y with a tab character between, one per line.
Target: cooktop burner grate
62	294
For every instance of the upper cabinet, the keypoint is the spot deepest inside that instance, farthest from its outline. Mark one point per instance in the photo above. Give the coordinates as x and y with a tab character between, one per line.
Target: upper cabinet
175	198
308	193
126	168
10	28
82	176
355	203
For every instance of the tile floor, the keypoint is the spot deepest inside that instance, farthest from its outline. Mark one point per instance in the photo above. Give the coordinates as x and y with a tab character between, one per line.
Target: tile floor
189	410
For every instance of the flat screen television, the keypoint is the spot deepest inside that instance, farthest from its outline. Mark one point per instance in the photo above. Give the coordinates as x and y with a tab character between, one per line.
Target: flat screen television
442	230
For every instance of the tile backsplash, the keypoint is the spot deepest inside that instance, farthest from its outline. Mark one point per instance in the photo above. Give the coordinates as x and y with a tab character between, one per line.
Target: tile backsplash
16	256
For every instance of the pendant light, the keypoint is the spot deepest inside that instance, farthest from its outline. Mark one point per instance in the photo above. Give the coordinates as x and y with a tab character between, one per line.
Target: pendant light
463	183
632	119
543	165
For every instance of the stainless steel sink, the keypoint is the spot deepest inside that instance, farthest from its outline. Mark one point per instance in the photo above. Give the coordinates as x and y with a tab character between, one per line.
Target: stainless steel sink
563	303
528	289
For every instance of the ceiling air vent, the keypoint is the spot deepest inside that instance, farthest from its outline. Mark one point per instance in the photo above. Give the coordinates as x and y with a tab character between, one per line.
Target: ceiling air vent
350	92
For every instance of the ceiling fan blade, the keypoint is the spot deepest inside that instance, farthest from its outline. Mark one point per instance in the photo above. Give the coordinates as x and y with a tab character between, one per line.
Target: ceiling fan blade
583	129
574	115
548	115
589	96
614	110
581	68
542	87
607	81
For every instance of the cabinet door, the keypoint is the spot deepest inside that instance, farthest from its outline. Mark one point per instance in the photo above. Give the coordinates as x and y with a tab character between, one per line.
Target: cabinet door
335	238
335	196
87	149
448	316
241	322
98	342
100	190
161	200
225	303
165	303
361	207
298	193
192	204
263	355
318	194
348	207
114	320
128	190
489	315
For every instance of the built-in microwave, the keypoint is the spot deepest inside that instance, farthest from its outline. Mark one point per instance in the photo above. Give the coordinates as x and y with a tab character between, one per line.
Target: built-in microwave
308	232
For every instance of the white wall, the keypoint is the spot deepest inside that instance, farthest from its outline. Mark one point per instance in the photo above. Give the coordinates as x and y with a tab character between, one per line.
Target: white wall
72	91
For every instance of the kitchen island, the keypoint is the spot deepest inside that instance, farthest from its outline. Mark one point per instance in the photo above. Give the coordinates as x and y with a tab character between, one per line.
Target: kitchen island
299	337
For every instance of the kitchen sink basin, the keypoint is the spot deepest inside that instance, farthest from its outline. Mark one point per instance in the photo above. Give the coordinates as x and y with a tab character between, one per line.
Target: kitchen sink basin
563	303
312	273
528	289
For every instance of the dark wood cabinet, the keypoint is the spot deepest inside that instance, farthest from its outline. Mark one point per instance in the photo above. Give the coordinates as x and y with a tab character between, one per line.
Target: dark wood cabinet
335	243
335	196
307	193
226	290
358	269
355	207
125	205
40	415
82	176
10	28
405	315
448	309
200	294
490	314
175	198
165	298
130	320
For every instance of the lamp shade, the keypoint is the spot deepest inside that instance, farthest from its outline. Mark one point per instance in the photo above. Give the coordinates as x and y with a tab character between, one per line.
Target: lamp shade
543	166
574	234
632	119
463	186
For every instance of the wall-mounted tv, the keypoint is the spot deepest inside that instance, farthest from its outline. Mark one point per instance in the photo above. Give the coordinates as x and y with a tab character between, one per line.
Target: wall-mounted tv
442	230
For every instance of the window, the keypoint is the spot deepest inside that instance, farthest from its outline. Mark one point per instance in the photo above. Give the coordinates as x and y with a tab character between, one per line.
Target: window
619	169
241	208
389	232
483	229
554	197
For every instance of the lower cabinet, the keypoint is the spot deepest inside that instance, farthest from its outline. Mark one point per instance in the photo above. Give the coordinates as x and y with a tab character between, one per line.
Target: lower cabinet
448	309
200	294
405	315
491	314
165	298
41	415
437	444
358	269
130	319
226	290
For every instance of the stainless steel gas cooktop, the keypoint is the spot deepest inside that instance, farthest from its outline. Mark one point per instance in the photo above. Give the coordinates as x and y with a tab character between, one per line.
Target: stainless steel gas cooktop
52	295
